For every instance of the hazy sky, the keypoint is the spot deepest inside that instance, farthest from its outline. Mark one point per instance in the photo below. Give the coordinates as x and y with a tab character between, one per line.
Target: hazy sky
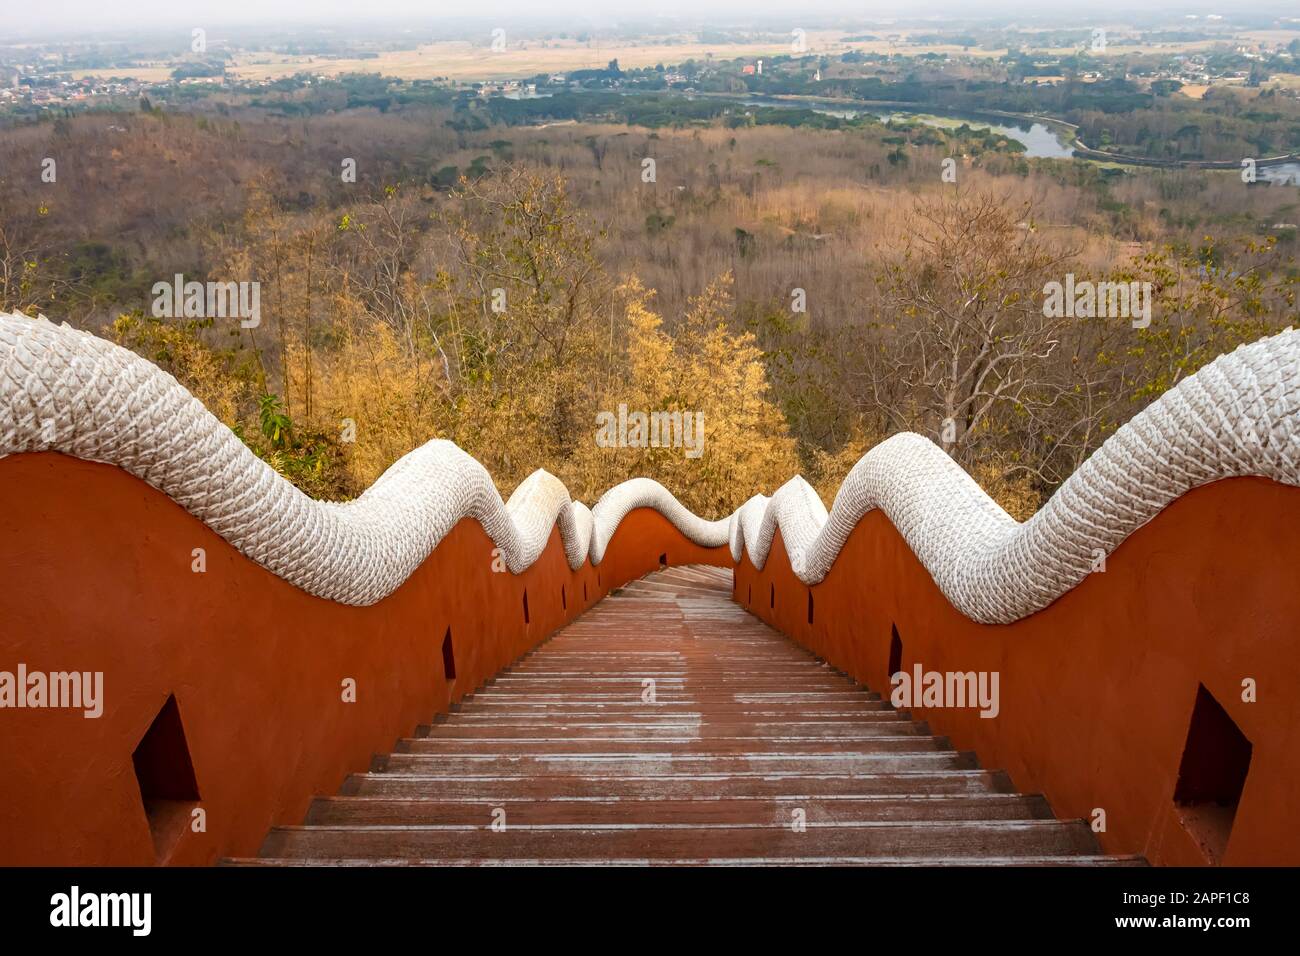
75	15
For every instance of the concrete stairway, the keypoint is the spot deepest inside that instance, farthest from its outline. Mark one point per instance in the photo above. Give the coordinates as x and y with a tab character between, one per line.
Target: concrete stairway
744	749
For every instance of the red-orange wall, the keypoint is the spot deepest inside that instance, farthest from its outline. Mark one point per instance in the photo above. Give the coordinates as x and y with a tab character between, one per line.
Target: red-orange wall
1097	689
95	575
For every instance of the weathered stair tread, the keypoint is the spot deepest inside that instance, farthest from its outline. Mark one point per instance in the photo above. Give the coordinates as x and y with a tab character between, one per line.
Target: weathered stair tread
683	785
739	708
686	745
1079	860
674	841
670	695
888	725
667	725
668	764
557	809
718	714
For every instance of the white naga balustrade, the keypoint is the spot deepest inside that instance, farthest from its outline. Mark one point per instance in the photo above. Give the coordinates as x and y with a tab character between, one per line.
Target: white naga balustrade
68	391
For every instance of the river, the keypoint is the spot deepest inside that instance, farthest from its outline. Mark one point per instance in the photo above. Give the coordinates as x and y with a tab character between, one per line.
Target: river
1039	139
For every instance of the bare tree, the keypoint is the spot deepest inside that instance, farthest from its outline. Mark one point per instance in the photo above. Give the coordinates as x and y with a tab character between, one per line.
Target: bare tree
964	346
29	279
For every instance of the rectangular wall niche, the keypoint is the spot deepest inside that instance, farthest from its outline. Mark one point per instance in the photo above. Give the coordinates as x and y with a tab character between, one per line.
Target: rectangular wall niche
895	652
448	658
1212	775
165	774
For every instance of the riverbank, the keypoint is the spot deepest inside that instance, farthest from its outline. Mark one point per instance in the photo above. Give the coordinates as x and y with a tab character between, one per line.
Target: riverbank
1066	133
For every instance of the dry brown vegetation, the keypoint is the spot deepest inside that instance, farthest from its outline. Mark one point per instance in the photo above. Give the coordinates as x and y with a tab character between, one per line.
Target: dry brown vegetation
923	299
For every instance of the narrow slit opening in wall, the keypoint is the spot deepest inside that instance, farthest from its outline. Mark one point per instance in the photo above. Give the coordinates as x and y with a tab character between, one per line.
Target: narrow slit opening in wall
810	607
448	658
1212	775
564	598
526	607
663	560
165	775
750	599
895	652
772	597
584	590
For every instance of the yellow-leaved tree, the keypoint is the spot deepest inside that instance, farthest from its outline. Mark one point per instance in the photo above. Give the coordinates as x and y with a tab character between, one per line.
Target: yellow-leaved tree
701	369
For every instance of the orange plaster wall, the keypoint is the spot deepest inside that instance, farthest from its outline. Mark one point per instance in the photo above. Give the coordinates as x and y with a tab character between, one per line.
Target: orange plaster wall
1097	689
95	575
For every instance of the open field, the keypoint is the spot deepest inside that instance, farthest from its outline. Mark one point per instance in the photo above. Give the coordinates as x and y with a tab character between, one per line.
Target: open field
1284	81
464	61
145	74
461	60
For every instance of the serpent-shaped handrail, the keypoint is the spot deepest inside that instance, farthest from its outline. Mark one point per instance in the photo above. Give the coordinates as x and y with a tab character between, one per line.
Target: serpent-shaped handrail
69	391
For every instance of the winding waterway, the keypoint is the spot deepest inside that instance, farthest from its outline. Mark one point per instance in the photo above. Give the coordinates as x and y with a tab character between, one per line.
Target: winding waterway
1040	140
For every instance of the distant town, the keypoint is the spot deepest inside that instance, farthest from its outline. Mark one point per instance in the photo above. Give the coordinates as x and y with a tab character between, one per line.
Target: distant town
1191	61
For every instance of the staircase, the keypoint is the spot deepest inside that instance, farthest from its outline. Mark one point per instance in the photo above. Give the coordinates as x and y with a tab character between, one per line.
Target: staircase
744	750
